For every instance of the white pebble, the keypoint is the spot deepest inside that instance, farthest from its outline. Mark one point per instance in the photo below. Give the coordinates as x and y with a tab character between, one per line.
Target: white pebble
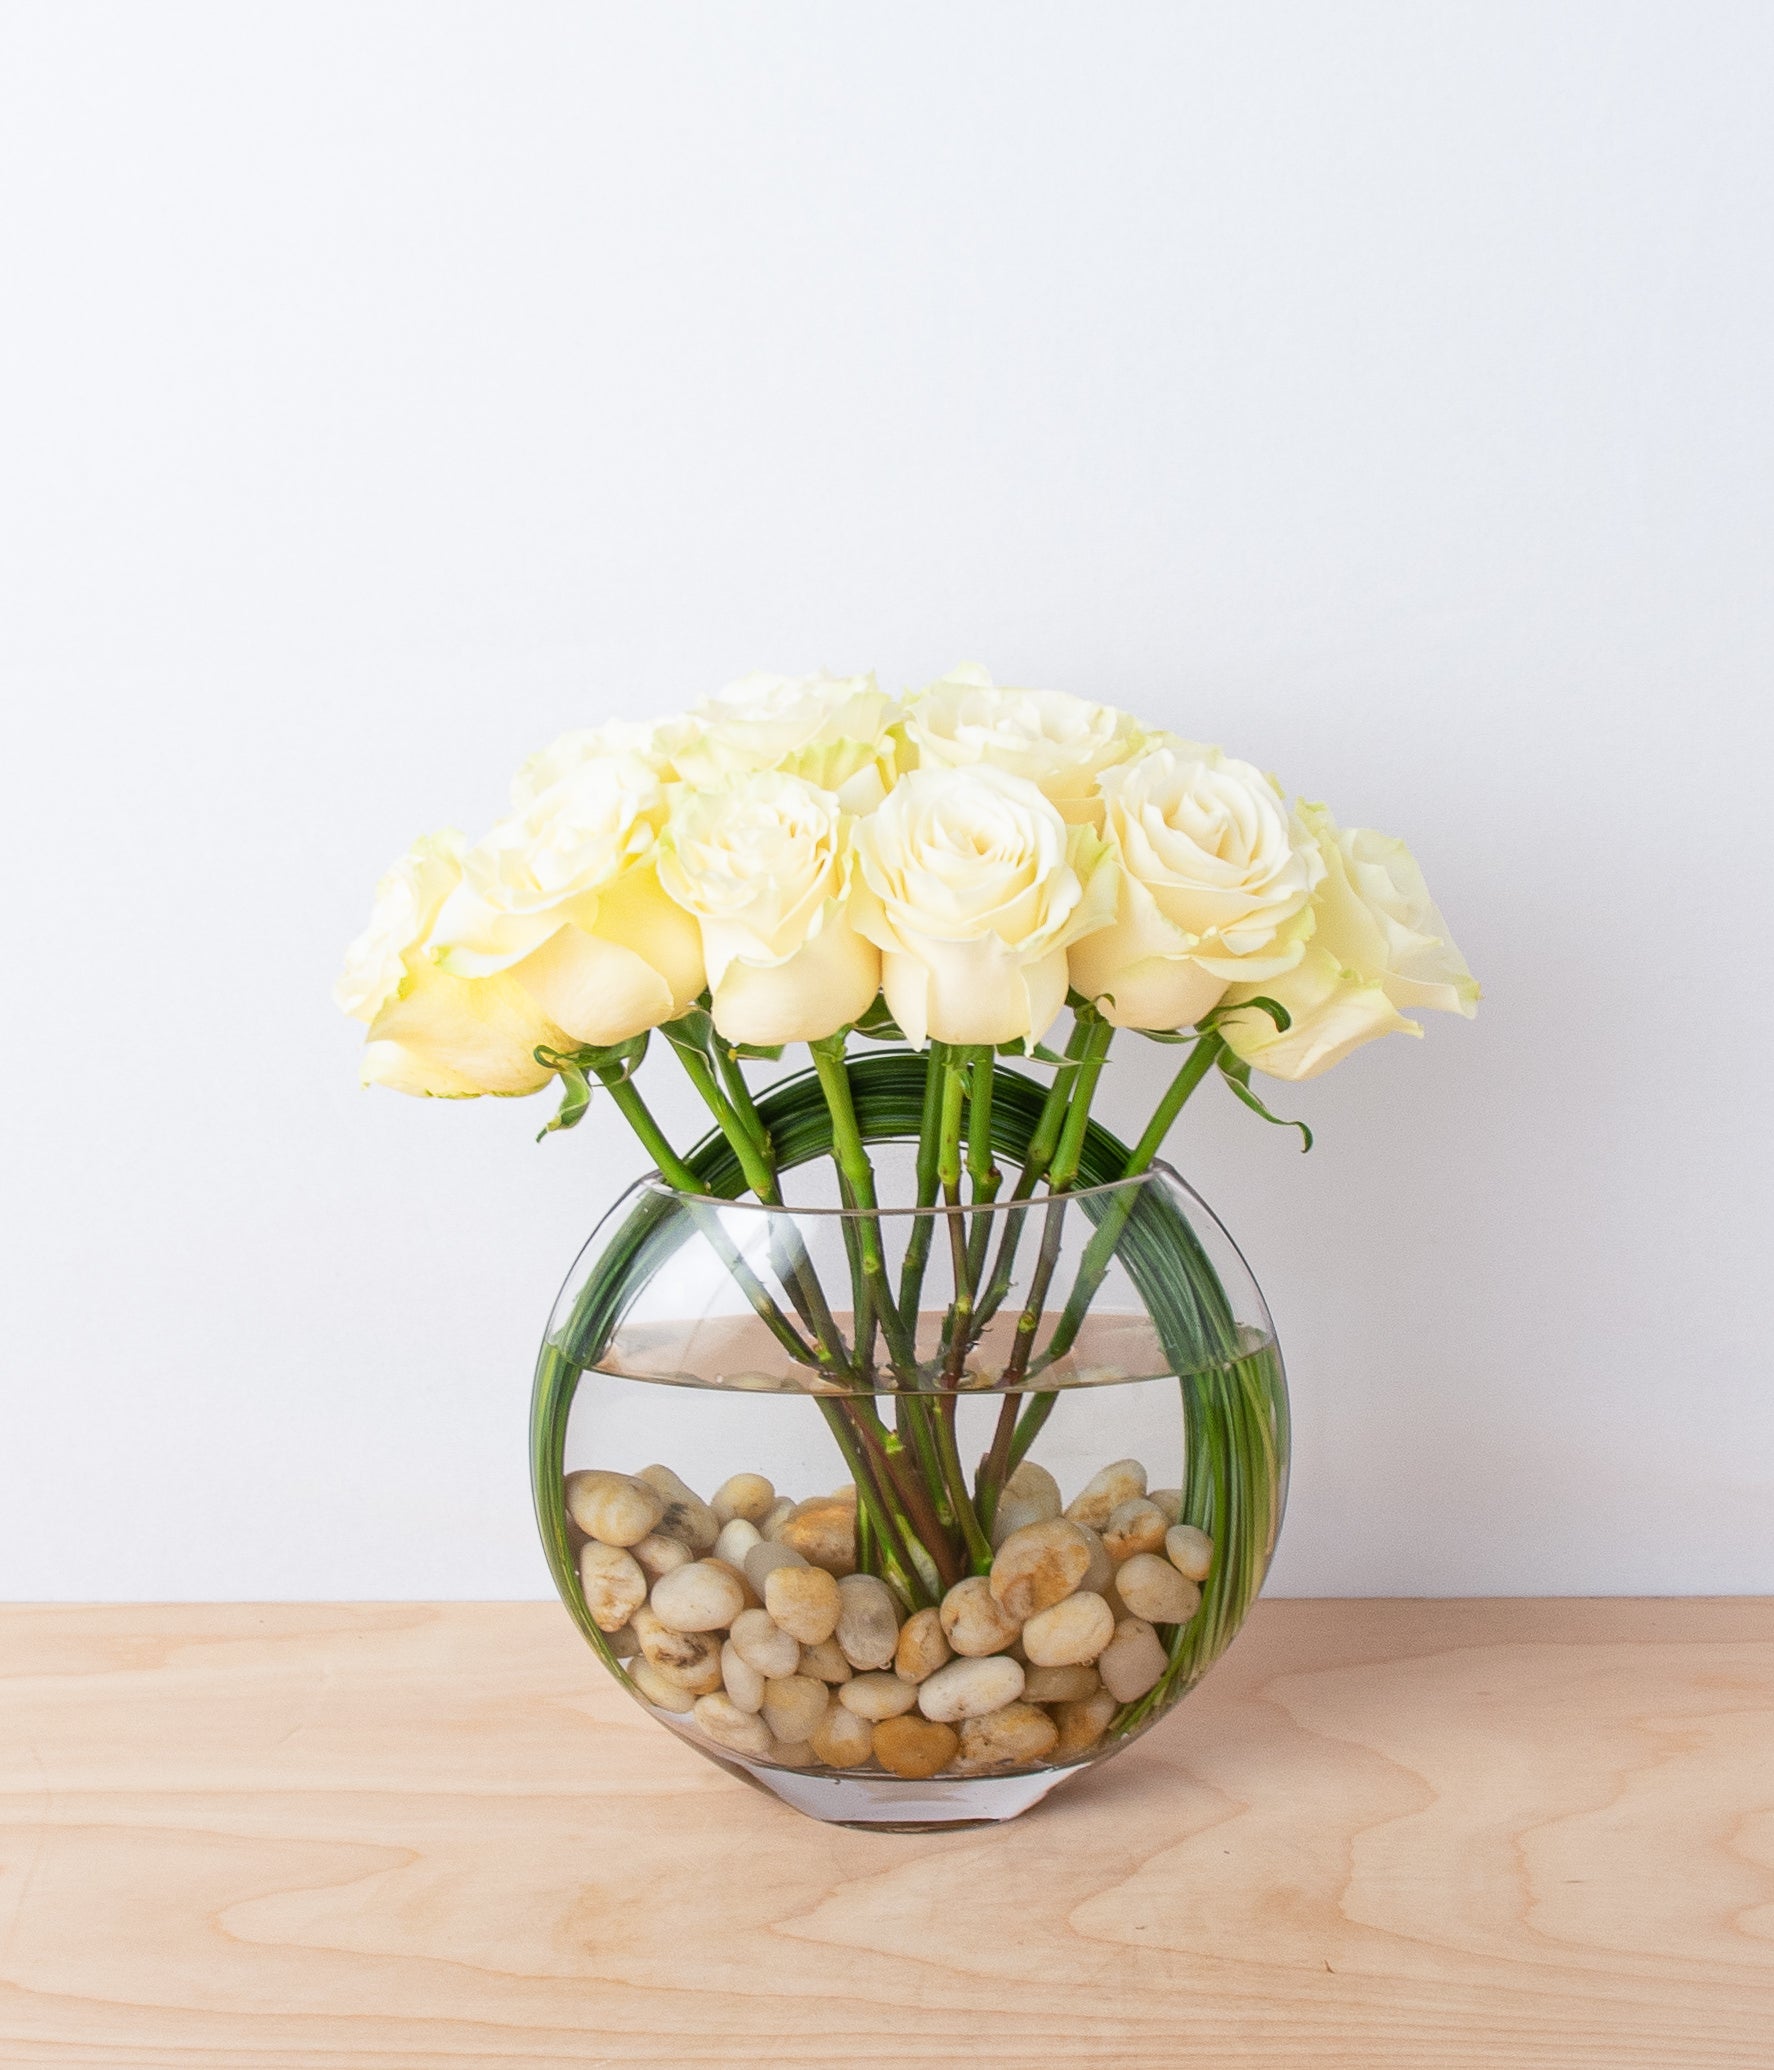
734	1541
878	1696
868	1621
1031	1482
1099	1576
841	1739
793	1754
974	1621
765	1645
615	1588
686	1516
741	1733
659	1690
922	1647
1153	1589
746	1496
1170	1500
1083	1722
1189	1551
1071	1634
1005	1738
765	1557
1104	1492
1132	1661
826	1660
611	1507
698	1598
794	1705
1137	1526
658	1555
806	1601
971	1688
672	1650
776	1516
743	1682
1039	1565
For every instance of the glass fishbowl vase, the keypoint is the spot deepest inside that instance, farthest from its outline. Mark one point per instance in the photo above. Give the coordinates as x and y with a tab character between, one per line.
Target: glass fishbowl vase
908	1514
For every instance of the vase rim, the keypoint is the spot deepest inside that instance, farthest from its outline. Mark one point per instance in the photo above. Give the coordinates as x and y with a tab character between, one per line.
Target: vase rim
655	1182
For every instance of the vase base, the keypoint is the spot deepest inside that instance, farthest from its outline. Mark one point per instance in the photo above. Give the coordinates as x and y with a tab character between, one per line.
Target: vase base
888	1804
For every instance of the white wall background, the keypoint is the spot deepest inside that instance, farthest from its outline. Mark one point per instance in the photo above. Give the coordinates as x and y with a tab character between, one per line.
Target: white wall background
1382	389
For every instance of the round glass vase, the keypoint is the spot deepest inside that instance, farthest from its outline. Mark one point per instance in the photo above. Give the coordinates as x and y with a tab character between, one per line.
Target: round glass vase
907	1514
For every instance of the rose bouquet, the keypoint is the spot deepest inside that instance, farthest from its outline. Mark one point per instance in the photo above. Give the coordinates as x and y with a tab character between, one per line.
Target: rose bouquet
916	890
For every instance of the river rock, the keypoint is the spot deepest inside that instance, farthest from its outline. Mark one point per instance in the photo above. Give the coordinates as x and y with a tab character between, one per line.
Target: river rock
739	1731
764	1559
1061	1684
922	1648
615	1588
1153	1589
841	1739
1082	1723
1099	1576
971	1688
1104	1492
974	1621
877	1696
743	1497
612	1508
793	1753
1133	1527
793	1705
826	1661
1170	1500
656	1555
868	1621
1189	1551
1133	1660
686	1516
659	1690
1037	1566
735	1540
1070	1634
703	1678
823	1532
702	1597
776	1516
914	1747
624	1644
763	1642
805	1601
668	1649
1005	1738
1016	1513
1031	1482
742	1681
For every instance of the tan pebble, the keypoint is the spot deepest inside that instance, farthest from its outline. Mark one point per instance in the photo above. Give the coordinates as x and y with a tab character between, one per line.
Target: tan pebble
1060	1685
1070	1634
1132	1661
611	1507
742	1681
624	1644
1153	1589
846	1492
702	1597
877	1696
841	1739
778	1514
792	1753
702	1679
824	1534
753	1601
1189	1551
614	1586
763	1642
1099	1576
1133	1527
922	1649
805	1601
739	1731
868	1621
794	1705
1016	1513
974	1621
826	1660
686	1516
1038	1565
670	1649
763	1560
914	1747
1005	1738
1104	1492
659	1690
658	1555
735	1540
970	1688
1031	1482
745	1497
1082	1723
1170	1500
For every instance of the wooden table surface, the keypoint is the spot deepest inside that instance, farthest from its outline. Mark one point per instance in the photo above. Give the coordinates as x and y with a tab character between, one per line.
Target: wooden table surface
411	1837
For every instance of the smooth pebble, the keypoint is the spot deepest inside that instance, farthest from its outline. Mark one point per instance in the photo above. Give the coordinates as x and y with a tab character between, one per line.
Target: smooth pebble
974	1621
823	1532
701	1597
1134	1527
876	1696
1132	1661
723	1720
1038	1565
747	1497
614	1586
763	1561
793	1705
1017	1733
658	1689
612	1508
805	1601
1070	1634
668	1649
868	1621
922	1648
826	1660
1060	1685
742	1681
1153	1589
1170	1500
1189	1551
686	1516
658	1555
970	1688
763	1642
841	1739
914	1747
1104	1492
1083	1722
735	1540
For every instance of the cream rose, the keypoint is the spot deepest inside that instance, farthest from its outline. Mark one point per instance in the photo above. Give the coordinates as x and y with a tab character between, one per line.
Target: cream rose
564	896
830	730
430	1033
1215	886
1058	742
763	865
1379	945
972	886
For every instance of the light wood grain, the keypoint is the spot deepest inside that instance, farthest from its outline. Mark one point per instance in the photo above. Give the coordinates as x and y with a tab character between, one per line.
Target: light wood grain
437	1838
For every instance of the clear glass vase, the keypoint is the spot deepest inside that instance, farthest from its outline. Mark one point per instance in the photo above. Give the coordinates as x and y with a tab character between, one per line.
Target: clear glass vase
908	1514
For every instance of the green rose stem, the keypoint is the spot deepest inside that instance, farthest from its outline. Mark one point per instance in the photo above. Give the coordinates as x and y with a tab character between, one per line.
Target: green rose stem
917	1251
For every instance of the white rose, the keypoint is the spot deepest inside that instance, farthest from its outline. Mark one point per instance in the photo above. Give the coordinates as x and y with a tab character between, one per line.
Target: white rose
1215	886
972	886
830	730
1060	743
625	738
564	896
1380	944
763	864
431	1033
